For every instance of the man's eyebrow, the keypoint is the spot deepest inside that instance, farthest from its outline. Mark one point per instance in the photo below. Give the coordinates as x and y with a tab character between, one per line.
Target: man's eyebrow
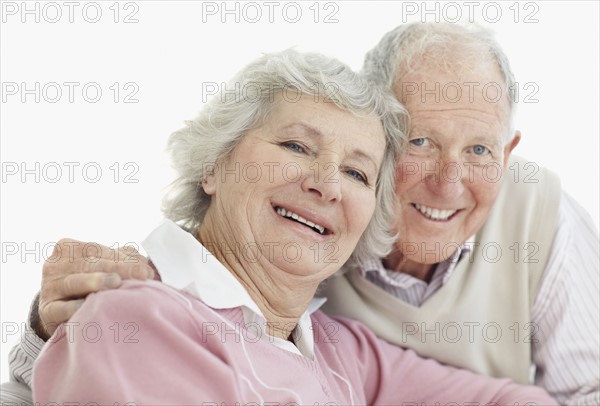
421	131
483	137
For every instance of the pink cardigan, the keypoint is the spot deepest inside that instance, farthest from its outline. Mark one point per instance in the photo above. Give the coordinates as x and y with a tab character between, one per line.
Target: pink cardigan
151	344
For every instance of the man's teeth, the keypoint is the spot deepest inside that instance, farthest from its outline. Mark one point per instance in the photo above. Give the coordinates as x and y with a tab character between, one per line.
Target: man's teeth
435	214
284	213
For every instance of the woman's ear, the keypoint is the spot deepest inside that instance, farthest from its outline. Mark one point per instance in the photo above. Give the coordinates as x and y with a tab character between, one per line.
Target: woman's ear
209	185
209	181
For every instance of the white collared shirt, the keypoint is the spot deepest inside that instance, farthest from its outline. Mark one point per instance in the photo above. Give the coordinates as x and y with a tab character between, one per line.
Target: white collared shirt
185	264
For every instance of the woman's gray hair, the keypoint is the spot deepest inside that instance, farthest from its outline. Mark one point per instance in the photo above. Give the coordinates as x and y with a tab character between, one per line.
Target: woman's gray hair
226	118
417	44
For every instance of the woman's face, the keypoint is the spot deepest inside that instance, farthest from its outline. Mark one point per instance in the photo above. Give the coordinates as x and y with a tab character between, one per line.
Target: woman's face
299	191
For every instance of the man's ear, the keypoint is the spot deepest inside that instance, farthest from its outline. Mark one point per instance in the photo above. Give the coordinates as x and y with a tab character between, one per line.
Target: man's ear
511	145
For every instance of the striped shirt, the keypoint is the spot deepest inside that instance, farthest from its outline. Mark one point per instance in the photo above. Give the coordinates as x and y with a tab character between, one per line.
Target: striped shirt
567	307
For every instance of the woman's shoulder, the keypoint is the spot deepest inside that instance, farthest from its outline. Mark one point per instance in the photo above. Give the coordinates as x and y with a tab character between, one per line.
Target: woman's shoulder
147	294
337	329
143	302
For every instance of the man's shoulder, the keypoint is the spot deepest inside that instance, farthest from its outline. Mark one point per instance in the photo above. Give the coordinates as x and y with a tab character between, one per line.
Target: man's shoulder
527	176
530	196
525	217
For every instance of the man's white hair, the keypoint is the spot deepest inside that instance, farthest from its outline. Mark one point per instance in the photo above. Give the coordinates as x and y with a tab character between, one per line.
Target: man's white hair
442	46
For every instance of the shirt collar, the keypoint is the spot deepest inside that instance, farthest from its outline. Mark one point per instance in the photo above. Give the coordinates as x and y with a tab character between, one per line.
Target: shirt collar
185	264
388	277
406	281
463	251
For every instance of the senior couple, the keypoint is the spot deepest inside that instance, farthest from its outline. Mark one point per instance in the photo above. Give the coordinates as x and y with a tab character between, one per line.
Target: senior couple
410	209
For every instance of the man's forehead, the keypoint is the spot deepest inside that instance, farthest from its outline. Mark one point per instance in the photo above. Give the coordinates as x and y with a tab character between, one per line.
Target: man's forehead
481	91
448	78
465	67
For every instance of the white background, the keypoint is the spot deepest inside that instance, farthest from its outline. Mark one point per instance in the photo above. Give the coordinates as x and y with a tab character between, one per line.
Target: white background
170	52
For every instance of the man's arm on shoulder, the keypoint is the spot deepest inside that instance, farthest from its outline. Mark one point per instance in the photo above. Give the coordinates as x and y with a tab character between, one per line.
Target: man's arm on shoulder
66	280
154	359
566	311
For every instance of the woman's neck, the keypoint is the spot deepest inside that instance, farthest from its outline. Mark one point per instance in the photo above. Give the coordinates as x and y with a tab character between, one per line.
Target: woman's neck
281	297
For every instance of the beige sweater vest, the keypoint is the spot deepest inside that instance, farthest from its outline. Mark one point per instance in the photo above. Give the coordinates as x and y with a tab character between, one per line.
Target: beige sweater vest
481	318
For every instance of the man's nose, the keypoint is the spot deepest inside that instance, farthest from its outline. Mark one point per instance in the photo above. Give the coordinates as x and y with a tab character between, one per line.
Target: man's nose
444	178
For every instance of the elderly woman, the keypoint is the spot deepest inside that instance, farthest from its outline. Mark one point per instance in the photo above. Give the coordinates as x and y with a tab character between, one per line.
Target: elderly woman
279	185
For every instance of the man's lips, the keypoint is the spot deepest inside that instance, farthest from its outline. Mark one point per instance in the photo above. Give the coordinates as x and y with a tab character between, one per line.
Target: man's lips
435	214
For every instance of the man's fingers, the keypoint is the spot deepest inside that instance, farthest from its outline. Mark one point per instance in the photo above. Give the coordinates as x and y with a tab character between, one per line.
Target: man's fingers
79	285
98	275
56	312
75	269
127	270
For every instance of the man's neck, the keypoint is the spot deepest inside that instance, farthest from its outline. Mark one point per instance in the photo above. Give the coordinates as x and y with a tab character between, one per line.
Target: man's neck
399	263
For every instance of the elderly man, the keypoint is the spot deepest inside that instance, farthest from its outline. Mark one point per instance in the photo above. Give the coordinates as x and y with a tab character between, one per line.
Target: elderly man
493	273
493	270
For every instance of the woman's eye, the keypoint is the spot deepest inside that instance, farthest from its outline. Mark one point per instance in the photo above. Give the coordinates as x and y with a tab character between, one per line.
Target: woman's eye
419	142
357	175
480	150
294	146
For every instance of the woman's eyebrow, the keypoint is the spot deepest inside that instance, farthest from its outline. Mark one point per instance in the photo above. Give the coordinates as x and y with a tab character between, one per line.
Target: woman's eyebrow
314	133
360	155
304	128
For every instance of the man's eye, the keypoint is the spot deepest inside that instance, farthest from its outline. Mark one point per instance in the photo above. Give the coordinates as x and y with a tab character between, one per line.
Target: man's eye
294	146
480	150
357	175
419	142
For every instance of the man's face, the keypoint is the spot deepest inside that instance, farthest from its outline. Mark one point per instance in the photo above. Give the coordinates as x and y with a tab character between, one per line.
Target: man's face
452	172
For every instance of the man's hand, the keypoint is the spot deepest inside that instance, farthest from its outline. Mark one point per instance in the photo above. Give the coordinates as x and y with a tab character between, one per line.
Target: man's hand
76	269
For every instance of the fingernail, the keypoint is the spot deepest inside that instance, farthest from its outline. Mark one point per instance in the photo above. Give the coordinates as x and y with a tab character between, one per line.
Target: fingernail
112	281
